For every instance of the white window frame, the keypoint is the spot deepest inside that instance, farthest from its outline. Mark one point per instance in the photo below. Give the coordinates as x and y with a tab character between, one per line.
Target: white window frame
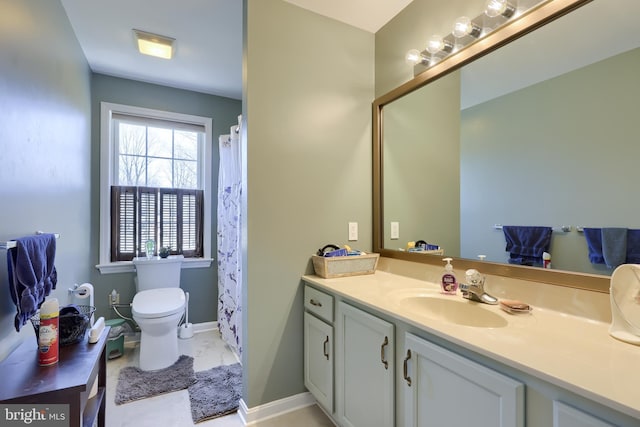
107	151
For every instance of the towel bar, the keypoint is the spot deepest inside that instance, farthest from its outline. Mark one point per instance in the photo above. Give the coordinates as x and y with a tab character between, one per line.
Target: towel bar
12	243
564	228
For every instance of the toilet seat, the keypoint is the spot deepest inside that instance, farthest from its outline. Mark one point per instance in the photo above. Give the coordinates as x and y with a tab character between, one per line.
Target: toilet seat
156	303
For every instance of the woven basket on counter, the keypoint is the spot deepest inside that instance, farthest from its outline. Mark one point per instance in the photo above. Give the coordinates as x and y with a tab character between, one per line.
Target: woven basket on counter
344	266
72	327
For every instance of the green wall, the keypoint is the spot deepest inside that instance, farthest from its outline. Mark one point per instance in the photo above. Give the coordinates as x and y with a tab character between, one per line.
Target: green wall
201	283
309	85
421	187
45	149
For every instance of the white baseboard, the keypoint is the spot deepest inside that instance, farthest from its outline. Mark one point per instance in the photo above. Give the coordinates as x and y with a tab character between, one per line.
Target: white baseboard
205	327
250	416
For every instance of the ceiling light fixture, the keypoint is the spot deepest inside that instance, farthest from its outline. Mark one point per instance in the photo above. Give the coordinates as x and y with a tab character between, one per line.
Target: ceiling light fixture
154	44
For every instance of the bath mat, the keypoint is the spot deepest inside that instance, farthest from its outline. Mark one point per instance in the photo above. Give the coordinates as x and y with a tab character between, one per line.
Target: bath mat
134	384
217	392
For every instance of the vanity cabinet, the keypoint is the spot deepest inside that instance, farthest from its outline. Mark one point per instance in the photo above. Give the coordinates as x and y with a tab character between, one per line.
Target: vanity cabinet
568	416
318	346
442	388
364	369
463	375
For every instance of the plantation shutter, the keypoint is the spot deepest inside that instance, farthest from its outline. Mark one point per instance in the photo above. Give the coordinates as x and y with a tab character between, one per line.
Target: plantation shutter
181	227
170	217
147	218
123	223
192	221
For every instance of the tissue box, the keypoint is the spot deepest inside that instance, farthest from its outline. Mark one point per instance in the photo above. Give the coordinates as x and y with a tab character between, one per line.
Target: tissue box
344	266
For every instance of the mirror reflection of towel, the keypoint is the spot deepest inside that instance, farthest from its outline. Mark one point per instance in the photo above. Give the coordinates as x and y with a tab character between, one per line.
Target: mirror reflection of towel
621	246
614	246
526	244
593	236
633	246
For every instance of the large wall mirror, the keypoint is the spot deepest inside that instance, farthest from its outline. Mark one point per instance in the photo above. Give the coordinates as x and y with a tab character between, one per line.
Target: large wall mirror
534	125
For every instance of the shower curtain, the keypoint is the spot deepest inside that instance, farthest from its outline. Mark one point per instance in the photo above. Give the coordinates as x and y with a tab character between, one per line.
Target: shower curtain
229	252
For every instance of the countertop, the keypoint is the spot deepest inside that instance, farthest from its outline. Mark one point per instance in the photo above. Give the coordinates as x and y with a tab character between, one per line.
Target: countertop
572	352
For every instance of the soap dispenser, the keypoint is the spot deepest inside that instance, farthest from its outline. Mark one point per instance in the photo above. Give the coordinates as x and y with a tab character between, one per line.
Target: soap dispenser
449	283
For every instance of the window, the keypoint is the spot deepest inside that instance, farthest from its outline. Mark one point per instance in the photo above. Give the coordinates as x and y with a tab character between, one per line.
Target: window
155	174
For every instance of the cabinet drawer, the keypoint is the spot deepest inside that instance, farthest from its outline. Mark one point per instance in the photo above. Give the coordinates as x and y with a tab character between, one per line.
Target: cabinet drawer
318	303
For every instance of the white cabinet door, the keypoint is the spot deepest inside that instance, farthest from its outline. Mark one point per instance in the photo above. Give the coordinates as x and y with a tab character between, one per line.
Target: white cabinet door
567	416
318	360
442	388
364	369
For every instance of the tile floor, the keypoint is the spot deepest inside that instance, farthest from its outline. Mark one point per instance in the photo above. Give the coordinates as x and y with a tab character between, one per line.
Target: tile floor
173	409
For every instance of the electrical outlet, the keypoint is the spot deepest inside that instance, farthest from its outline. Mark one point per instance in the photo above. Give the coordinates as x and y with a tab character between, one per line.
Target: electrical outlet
353	231
395	230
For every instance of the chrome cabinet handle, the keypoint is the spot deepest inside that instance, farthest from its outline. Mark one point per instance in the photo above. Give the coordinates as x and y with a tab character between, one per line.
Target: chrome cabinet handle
315	303
384	344
324	347
407	378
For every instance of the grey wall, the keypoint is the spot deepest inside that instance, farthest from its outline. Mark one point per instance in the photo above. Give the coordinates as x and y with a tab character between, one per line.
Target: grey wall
421	155
307	101
45	175
201	283
561	152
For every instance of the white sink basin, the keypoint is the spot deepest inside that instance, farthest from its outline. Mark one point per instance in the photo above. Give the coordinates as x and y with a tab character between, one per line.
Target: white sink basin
453	309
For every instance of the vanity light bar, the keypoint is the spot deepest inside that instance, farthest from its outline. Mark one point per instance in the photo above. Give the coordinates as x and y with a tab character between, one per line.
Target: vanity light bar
467	31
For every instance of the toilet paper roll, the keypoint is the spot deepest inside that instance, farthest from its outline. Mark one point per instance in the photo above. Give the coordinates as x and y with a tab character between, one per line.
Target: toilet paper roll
83	295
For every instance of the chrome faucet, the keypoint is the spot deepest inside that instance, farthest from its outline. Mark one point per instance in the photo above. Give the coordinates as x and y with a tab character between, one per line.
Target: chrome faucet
473	289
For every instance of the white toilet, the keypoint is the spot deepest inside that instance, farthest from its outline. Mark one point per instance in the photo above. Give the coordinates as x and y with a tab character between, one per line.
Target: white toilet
157	308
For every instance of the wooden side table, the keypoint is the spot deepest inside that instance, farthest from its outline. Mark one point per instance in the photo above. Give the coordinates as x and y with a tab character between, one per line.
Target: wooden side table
67	382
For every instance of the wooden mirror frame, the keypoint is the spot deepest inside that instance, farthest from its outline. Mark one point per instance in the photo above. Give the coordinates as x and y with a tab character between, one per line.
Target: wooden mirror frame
530	21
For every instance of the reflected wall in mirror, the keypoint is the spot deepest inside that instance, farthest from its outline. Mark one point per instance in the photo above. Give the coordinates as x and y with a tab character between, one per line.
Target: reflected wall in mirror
539	132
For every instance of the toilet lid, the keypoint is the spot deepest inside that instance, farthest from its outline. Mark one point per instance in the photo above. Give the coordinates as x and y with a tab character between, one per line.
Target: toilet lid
158	302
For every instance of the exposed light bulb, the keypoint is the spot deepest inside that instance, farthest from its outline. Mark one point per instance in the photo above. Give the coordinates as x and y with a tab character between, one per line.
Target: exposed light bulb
437	44
465	27
495	8
413	57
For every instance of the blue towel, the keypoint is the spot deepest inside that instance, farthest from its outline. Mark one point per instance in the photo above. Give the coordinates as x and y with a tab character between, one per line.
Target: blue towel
633	246
526	244
32	274
614	246
593	236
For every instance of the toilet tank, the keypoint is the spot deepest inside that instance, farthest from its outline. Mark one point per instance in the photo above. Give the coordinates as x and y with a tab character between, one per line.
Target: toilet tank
158	272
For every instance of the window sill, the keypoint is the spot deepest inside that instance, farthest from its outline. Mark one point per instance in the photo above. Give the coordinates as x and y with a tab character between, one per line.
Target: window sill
127	266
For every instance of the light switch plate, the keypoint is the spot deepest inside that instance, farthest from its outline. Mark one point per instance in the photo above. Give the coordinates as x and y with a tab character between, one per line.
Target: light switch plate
395	230
353	231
